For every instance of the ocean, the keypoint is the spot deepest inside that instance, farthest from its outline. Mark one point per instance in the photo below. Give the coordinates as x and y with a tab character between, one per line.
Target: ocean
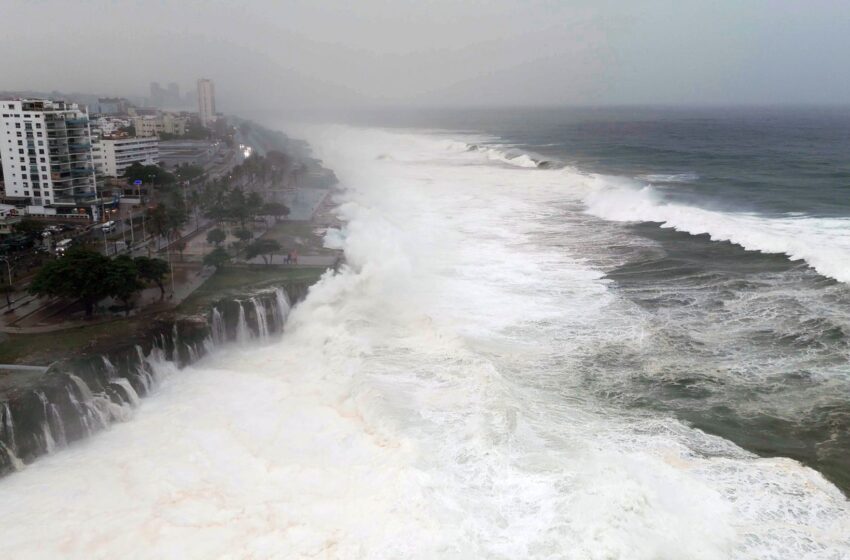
615	333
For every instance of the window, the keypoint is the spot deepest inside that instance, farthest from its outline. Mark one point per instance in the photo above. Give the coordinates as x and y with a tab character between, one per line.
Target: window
17	125
20	152
20	142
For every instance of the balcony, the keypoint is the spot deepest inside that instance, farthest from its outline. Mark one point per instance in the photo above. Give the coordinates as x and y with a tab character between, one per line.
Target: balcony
81	171
77	122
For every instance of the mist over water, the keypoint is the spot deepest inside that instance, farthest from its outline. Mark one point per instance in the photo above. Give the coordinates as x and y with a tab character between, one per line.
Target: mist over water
451	393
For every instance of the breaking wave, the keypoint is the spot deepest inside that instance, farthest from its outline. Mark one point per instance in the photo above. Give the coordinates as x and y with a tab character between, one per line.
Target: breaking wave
823	243
424	402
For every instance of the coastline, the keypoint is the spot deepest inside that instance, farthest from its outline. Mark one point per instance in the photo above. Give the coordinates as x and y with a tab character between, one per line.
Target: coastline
233	303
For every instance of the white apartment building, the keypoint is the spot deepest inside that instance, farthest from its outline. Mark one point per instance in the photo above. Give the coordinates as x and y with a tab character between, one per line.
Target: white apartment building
46	153
166	123
112	155
206	101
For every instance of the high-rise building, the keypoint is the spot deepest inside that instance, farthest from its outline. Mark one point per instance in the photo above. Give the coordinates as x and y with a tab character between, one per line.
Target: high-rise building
206	101
47	156
173	94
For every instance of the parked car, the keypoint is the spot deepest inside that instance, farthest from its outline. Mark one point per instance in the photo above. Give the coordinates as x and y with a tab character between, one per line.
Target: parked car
108	227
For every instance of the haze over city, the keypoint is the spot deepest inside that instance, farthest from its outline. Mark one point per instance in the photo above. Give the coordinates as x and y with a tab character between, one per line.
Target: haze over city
373	52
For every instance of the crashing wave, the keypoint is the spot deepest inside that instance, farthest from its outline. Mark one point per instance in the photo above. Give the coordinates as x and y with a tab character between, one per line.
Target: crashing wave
823	243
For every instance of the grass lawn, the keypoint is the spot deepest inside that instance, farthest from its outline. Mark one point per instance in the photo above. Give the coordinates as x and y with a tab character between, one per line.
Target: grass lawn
43	349
236	280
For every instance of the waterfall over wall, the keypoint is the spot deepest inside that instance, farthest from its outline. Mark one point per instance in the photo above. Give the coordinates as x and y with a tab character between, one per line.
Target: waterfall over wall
81	396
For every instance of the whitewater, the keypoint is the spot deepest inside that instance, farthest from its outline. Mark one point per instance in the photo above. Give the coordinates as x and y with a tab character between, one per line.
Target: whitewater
427	401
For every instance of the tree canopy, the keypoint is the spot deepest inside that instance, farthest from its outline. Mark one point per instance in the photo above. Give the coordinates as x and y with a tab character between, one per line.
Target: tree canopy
88	276
275	209
148	174
216	236
265	248
216	257
28	227
152	270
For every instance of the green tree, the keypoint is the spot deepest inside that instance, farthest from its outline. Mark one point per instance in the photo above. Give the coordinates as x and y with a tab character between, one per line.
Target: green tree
148	174
254	204
216	236
275	209
237	207
28	227
265	248
122	280
244	235
152	270
216	258
79	275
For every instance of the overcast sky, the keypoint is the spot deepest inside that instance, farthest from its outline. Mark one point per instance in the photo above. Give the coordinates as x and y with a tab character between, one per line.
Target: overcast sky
437	52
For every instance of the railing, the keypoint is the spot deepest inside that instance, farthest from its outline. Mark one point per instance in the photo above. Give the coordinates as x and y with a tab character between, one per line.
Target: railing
79	121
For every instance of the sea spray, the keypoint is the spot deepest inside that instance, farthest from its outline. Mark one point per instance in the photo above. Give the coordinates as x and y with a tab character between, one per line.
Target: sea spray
217	328
262	320
437	384
47	434
243	333
58	426
124	383
283	305
9	426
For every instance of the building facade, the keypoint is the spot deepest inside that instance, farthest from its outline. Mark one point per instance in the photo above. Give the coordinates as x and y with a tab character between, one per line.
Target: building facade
46	153
206	101
112	105
112	155
165	123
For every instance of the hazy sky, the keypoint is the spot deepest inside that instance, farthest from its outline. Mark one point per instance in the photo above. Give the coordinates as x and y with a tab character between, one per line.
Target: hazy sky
437	52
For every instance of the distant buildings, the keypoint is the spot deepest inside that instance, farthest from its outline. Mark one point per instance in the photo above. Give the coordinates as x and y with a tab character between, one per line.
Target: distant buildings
46	153
206	101
113	155
165	98
167	123
108	125
112	106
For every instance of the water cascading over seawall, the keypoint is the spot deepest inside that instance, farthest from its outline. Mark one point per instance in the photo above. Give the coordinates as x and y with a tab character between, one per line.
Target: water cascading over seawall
79	397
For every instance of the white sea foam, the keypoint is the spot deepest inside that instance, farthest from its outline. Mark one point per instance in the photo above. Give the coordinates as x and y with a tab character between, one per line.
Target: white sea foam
425	402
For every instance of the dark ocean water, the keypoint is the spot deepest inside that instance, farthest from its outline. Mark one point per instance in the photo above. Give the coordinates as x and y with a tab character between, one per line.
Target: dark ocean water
746	284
